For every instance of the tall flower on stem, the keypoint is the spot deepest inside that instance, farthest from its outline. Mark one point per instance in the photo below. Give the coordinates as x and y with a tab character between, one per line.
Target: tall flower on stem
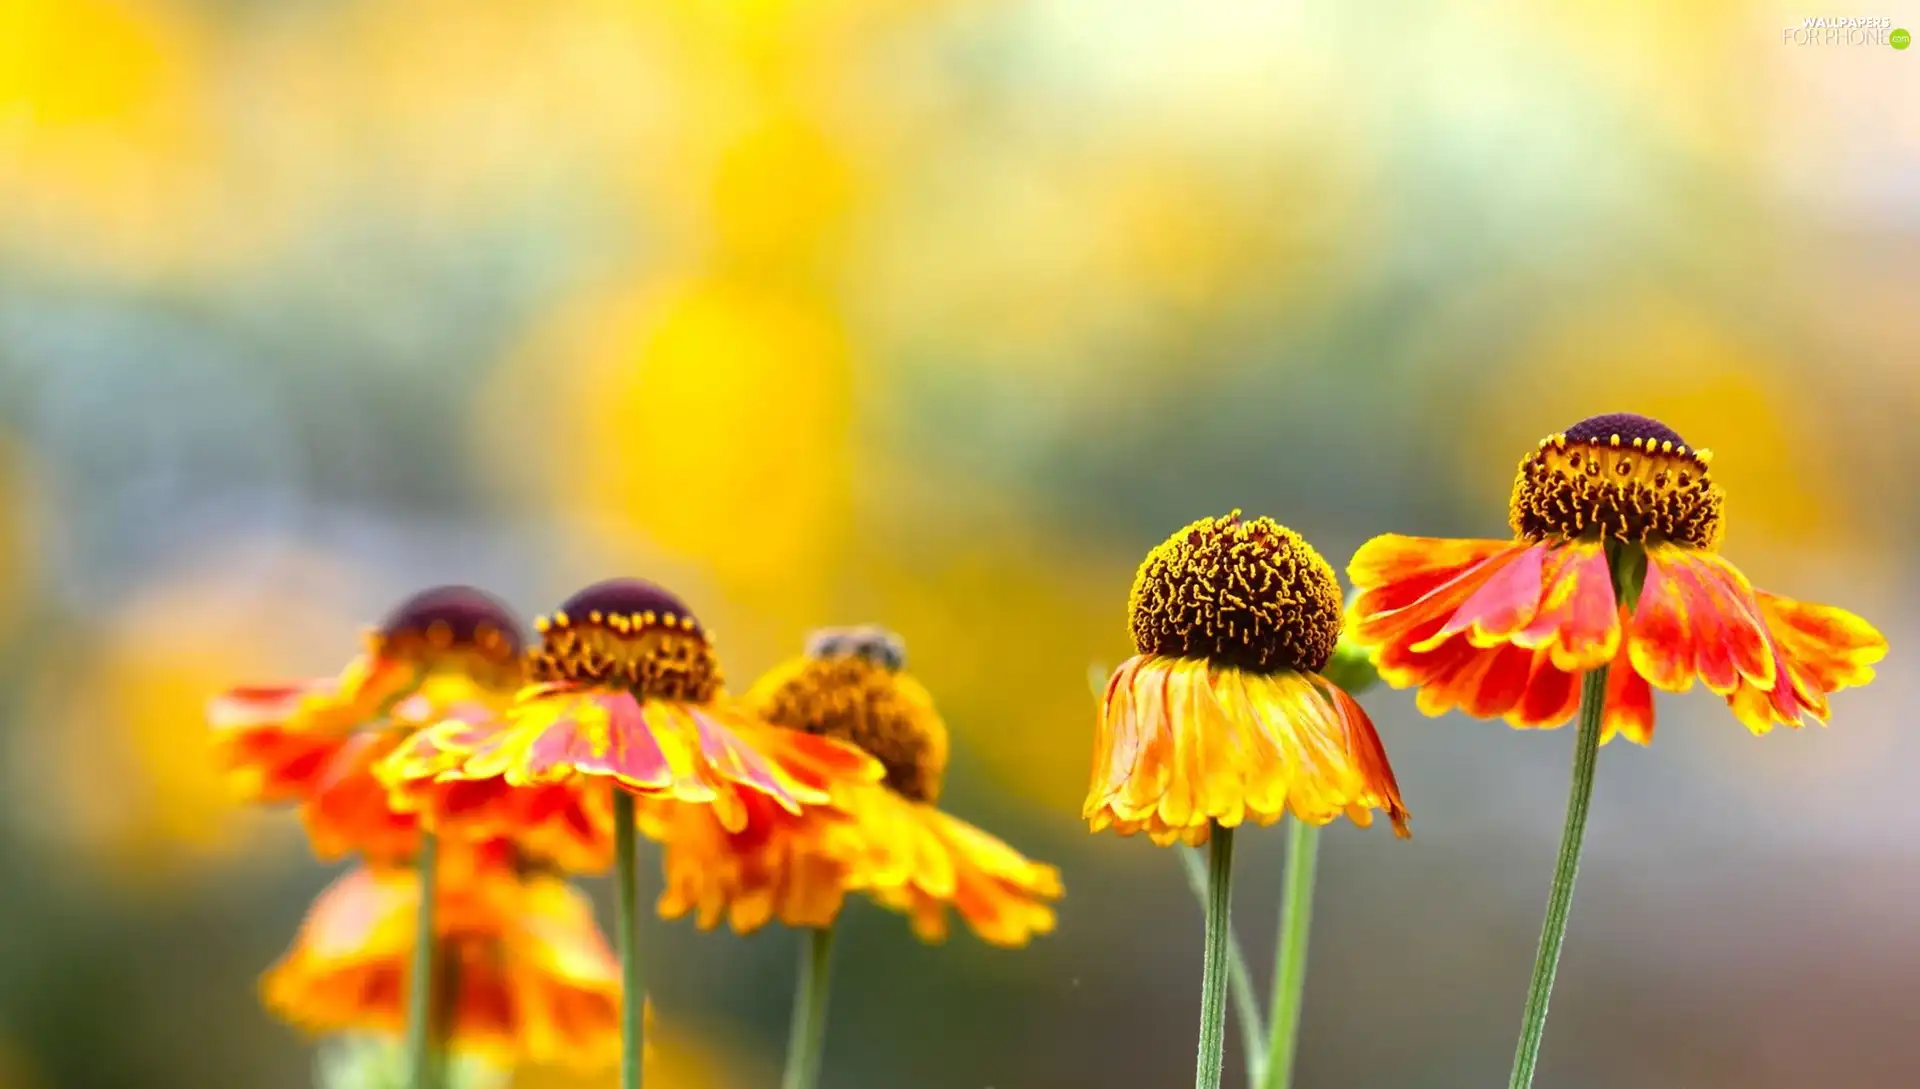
1222	716
1613	586
882	835
447	652
627	703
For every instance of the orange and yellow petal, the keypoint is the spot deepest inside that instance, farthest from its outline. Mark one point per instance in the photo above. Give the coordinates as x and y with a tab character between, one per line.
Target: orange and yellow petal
797	869
1628	711
1557	598
272	741
1830	646
793	867
1004	897
698	753
533	977
568	824
1407	587
349	809
262	744
1774	659
542	776
1183	744
1696	618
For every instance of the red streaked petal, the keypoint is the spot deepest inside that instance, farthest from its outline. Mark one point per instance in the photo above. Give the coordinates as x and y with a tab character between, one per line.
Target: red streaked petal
608	734
1731	622
1386	614
1502	683
1579	618
1397	571
1552	696
1505	603
732	760
262	705
1629	707
1662	632
1832	647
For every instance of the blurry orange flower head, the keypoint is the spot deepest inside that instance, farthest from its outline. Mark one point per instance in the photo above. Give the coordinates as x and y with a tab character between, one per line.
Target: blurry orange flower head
527	974
887	838
1222	715
448	652
1615	562
628	696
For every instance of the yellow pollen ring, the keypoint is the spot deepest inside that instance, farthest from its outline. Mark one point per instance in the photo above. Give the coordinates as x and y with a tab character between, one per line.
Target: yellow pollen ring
1633	489
655	656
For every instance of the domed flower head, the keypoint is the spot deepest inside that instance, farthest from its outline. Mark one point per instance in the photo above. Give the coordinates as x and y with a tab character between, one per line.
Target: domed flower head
452	652
1617	525
887	837
1222	715
528	975
627	696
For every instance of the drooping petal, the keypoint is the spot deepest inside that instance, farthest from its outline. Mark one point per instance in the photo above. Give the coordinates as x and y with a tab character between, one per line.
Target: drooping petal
1629	706
1212	744
1393	572
1830	646
540	773
1505	602
1695	619
1003	896
1775	660
350	810
1578	621
1403	601
1552	695
532	976
268	740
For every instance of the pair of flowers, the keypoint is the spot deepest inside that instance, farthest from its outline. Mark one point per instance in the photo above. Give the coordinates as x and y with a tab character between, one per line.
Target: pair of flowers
1612	586
472	771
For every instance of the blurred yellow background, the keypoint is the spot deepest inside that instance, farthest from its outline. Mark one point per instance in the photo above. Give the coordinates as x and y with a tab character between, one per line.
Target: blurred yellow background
939	313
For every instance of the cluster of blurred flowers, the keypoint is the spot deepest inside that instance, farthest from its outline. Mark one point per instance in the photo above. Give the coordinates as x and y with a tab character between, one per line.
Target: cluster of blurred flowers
451	751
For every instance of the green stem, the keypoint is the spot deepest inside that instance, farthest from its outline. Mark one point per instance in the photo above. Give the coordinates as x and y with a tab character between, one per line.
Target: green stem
421	1058
1586	752
806	1039
1211	1059
1290	954
1246	1005
633	993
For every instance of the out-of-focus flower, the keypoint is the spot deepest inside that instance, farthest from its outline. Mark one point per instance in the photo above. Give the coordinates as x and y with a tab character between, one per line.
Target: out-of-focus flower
697	357
629	696
103	136
889	839
1222	715
1618	524
451	652
527	973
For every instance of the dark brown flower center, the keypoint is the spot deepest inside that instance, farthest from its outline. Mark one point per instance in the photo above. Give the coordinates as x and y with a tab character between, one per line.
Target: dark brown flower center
1622	476
456	628
848	689
631	634
1248	594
